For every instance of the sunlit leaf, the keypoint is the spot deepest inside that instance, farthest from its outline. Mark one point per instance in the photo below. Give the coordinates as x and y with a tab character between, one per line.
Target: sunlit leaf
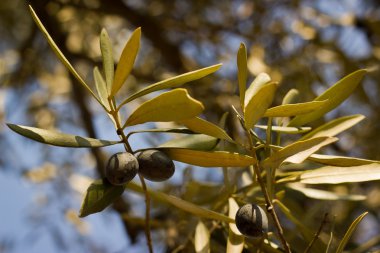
201	238
60	55
195	141
335	95
126	61
99	195
349	232
181	204
256	85
107	57
205	127
209	158
59	139
101	88
242	72
325	195
164	130
173	82
289	110
341	161
235	242
291	97
258	104
173	105
296	152
335	126
286	130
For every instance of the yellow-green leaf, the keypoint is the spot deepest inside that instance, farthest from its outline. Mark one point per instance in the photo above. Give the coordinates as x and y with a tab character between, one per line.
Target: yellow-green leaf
126	61
242	72
335	95
173	82
341	161
258	104
286	130
101	88
202	126
195	141
290	110
99	195
235	242
59	139
60	55
349	232
296	152
291	97
173	105
202	238
181	204
335	126
107	57
209	158
256	85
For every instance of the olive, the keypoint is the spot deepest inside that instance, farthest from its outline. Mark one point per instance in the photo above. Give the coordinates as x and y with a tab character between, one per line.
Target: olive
121	168
251	220
155	165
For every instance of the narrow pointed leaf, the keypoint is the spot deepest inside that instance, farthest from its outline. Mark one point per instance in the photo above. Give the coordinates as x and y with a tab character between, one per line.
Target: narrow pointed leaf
258	104
59	139
173	82
173	105
335	126
335	95
195	142
340	161
296	152
107	57
99	195
60	55
205	127
242	72
101	88
291	97
256	85
126	61
235	242
209	158
290	110
286	130
349	232
202	238
181	204
164	130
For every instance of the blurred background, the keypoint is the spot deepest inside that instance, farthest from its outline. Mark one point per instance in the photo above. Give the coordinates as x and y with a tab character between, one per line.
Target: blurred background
304	44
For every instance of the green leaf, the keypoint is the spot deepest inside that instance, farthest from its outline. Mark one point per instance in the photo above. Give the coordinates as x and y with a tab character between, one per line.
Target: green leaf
181	204
338	175
107	57
335	126
341	161
209	158
335	95
59	139
242	72
99	195
291	97
235	242
202	126
60	55
256	85
325	195
286	130
195	141
289	110
202	238
173	82
126	61
296	152
258	104
163	130
173	105
349	232
101	88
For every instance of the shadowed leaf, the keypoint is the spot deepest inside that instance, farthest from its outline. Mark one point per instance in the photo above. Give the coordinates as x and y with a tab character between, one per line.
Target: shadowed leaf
107	57
101	88
195	141
201	238
242	72
286	130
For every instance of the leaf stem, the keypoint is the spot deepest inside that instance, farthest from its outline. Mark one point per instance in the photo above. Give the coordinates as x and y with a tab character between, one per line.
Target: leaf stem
316	236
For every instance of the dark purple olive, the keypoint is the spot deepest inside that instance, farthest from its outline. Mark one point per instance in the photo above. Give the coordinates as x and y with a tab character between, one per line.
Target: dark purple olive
251	220
121	168
155	165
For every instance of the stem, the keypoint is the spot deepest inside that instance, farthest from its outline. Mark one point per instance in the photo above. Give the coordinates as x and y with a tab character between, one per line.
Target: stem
147	214
316	236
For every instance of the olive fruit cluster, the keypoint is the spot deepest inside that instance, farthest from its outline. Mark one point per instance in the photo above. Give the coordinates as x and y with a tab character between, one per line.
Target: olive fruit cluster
153	165
251	220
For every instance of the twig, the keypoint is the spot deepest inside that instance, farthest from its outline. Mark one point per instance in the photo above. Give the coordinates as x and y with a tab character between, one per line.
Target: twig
316	236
